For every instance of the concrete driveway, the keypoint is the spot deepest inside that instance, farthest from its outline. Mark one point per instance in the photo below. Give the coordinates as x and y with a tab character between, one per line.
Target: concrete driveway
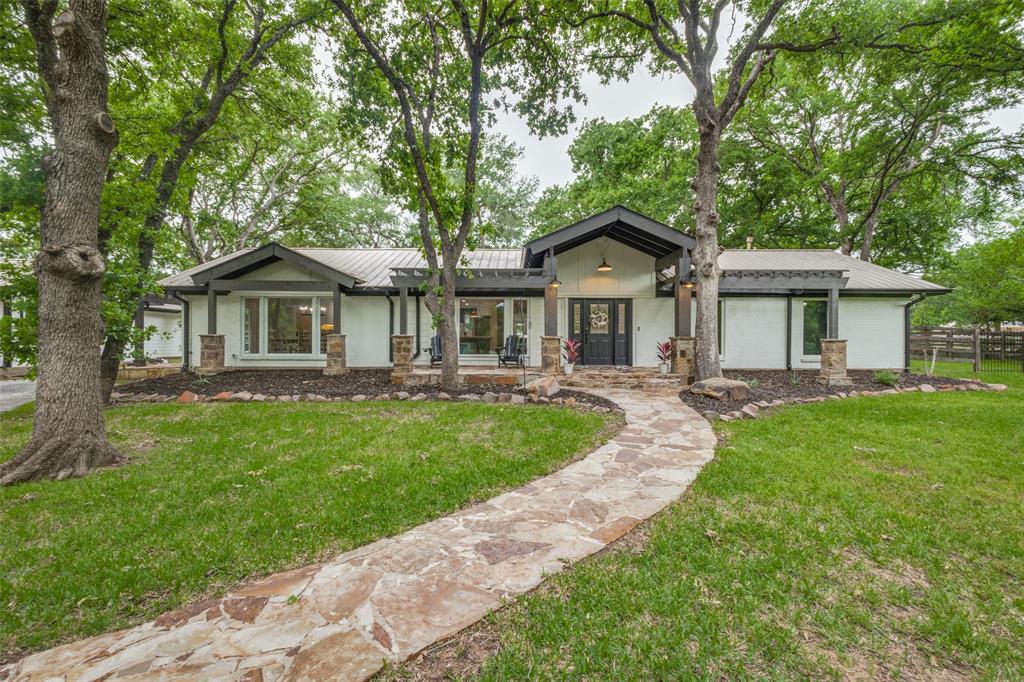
16	392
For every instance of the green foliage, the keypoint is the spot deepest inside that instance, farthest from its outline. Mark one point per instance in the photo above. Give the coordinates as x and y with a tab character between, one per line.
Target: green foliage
987	279
864	537
886	377
198	510
645	164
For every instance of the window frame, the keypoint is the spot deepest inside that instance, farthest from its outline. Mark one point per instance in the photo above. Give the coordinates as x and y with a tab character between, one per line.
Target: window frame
810	357
316	353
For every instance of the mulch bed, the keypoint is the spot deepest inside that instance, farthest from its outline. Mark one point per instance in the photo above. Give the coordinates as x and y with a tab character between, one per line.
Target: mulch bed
302	382
769	385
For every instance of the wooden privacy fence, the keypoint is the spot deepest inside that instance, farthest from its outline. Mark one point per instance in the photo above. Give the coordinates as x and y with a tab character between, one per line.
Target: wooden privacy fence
985	349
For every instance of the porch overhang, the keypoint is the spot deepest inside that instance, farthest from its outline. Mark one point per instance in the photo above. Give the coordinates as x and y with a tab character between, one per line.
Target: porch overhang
479	279
770	281
618	223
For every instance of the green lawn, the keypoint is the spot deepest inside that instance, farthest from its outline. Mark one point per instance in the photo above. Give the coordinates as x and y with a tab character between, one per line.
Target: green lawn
216	493
866	538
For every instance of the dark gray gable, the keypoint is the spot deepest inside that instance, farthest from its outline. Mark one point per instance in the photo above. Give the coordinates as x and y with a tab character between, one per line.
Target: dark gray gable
618	223
265	255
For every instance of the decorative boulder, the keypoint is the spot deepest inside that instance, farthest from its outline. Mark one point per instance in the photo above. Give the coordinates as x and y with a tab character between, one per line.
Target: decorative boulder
544	387
722	389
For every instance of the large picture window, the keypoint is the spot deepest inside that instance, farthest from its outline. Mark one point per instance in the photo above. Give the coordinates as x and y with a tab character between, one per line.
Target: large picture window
289	325
481	325
815	326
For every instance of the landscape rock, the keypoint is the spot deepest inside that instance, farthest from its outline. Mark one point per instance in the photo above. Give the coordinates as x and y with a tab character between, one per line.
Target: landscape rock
443	396
710	415
504	397
517	399
419	397
259	398
543	387
735	414
402	395
469	397
490	397
570	402
996	387
358	398
241	397
722	389
188	397
750	411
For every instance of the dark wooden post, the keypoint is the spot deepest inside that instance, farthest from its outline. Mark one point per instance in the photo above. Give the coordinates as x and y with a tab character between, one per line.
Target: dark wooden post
683	295
551	295
337	308
403	311
833	313
211	311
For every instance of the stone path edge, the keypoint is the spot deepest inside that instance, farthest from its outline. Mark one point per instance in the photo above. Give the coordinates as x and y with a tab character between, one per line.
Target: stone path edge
387	601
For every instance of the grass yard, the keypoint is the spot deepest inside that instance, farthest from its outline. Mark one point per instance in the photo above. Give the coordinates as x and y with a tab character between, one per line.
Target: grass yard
217	493
878	538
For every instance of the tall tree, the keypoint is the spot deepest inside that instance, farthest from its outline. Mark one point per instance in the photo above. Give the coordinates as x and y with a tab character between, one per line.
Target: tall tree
644	163
68	434
231	45
426	72
682	37
877	135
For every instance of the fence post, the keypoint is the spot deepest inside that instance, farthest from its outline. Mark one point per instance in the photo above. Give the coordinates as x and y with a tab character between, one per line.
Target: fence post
977	349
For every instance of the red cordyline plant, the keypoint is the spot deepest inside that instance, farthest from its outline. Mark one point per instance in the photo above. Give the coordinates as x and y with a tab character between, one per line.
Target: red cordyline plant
665	351
571	350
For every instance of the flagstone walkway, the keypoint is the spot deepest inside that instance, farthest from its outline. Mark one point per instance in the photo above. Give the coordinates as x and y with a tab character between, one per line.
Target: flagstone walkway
392	598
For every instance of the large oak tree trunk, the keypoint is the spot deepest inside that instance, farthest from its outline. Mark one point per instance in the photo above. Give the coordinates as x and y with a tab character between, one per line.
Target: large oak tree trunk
705	256
449	329
68	435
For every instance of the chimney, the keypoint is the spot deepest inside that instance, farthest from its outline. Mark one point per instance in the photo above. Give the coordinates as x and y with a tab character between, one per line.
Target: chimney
750	241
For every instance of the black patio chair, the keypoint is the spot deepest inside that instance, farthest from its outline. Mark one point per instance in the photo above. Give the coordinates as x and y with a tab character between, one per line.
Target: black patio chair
514	351
435	350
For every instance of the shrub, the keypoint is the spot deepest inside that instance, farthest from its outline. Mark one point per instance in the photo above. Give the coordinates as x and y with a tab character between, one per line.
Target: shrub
886	377
665	352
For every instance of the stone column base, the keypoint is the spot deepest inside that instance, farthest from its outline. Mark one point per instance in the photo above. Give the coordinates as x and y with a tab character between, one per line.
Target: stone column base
401	349
684	362
335	355
833	363
211	354
550	354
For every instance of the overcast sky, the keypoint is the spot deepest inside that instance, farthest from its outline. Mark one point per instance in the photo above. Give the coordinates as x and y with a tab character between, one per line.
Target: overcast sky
548	159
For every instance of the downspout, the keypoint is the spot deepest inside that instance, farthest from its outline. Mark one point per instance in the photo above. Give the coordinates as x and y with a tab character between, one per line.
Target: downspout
391	326
186	338
419	341
906	330
789	332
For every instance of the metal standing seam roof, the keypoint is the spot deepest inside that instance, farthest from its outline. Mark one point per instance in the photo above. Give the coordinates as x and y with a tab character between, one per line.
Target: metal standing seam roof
863	276
373	267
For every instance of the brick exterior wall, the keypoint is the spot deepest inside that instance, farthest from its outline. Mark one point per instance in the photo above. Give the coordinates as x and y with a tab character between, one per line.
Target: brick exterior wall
336	363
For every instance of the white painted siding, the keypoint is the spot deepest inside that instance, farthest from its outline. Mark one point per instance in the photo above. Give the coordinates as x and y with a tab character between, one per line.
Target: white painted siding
166	341
653	322
632	271
872	327
364	321
754	333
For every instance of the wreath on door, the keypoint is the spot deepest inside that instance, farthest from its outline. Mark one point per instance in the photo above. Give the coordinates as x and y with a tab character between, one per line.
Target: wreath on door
599	319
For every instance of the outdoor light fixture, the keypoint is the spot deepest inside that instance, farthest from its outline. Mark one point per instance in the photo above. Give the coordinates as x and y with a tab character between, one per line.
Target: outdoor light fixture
604	266
555	283
688	285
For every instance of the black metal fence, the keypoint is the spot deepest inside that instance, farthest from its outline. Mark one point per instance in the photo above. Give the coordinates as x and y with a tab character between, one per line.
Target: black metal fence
987	350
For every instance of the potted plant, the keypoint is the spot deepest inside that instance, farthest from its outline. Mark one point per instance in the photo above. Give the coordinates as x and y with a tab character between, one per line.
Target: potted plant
664	356
570	351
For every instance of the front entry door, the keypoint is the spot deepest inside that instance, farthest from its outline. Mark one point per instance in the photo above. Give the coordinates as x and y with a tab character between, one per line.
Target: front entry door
599	325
